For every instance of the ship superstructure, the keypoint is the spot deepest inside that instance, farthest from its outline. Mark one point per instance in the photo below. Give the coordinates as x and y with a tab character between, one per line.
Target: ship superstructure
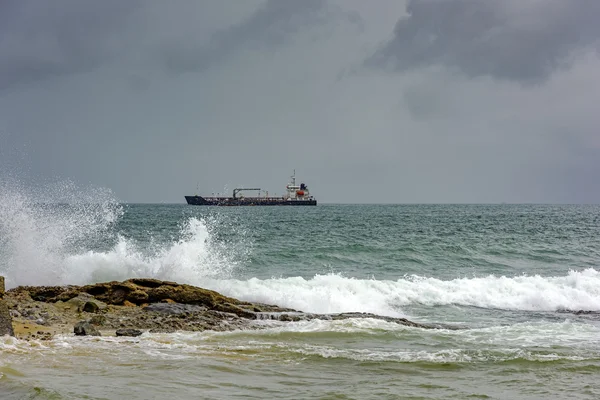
296	195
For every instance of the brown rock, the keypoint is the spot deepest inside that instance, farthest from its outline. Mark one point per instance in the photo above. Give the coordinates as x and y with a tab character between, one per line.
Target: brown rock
151	283
85	302
128	332
6	327
46	293
137	296
163	307
84	328
98	320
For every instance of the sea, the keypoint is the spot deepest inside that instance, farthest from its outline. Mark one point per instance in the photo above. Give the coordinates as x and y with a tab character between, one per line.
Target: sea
521	282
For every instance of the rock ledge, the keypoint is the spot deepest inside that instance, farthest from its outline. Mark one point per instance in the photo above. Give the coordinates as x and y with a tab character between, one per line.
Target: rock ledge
127	308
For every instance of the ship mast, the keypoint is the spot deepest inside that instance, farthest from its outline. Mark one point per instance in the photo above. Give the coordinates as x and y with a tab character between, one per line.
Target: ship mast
291	188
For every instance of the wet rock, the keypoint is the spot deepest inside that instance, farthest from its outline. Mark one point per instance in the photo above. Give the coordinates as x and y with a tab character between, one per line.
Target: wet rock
289	317
145	291
401	321
98	320
85	302
586	312
85	328
128	332
156	306
6	327
45	293
90	307
173	308
137	296
300	316
235	309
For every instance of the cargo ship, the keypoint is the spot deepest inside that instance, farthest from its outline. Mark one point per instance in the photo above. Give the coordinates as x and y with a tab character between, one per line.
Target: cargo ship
296	195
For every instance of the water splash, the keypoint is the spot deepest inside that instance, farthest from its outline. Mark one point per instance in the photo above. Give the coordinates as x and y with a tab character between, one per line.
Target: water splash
40	228
192	258
65	234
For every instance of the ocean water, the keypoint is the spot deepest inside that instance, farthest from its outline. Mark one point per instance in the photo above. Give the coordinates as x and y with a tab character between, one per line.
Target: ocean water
512	276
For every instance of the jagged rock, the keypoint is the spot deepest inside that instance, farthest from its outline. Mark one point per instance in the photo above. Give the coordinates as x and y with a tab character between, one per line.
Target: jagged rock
90	307
289	317
173	308
137	296
234	309
155	306
299	316
85	302
85	328
6	327
45	293
144	291
128	332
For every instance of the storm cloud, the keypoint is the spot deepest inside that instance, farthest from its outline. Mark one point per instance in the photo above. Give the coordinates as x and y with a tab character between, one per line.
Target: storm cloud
271	26
40	40
517	40
396	102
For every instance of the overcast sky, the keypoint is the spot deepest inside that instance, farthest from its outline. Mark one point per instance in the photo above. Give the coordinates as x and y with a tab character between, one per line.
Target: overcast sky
428	101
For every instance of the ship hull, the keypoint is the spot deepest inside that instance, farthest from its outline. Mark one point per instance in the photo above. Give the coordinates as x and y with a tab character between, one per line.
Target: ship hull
246	201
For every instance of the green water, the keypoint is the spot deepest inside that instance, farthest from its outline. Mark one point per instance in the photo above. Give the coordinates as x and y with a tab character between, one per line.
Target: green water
511	276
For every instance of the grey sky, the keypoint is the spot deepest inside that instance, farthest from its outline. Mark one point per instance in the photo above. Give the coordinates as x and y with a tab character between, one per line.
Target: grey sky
509	39
424	101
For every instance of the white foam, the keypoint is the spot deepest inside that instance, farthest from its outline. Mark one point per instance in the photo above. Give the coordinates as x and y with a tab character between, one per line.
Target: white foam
539	334
39	228
191	259
333	293
48	244
442	356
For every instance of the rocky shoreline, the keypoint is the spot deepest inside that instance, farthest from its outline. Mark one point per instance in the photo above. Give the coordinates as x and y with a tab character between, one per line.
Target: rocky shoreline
134	306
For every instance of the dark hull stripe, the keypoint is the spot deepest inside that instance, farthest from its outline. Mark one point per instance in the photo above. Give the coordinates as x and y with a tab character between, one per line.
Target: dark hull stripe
230	201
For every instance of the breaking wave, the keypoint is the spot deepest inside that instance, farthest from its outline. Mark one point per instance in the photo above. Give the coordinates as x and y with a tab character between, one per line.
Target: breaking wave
578	290
71	238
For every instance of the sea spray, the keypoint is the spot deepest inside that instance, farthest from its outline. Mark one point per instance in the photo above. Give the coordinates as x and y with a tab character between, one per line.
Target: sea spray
195	257
65	234
40	227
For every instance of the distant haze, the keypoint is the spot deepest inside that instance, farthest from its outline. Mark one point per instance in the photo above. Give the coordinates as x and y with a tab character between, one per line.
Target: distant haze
387	101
